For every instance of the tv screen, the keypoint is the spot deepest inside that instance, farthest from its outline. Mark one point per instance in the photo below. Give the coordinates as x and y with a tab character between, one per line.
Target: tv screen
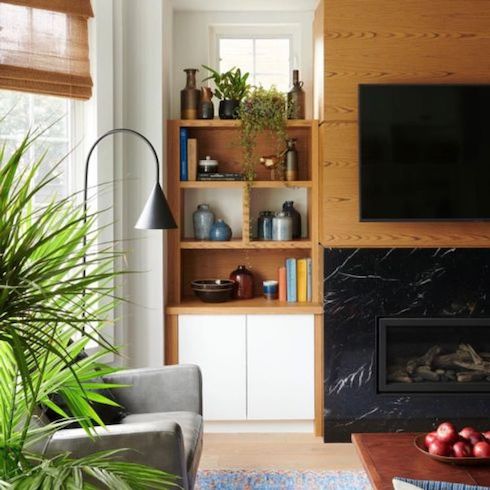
424	152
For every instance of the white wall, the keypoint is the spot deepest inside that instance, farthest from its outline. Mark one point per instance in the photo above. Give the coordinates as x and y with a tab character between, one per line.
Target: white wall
131	67
192	43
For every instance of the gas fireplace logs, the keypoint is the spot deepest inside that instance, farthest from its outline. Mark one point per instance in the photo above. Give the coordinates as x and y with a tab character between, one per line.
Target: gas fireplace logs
464	365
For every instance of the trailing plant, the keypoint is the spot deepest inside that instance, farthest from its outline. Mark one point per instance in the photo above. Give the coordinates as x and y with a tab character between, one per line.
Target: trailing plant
230	85
49	311
264	110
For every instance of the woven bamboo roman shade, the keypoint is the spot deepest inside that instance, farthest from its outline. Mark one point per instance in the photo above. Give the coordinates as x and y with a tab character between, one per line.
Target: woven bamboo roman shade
44	47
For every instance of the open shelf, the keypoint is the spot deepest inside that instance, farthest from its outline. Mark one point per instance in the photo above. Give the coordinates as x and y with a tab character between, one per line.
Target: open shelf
264	184
191	244
233	124
258	305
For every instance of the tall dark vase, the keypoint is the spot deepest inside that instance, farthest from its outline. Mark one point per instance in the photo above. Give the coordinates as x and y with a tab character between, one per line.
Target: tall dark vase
206	106
296	98
290	210
244	282
228	109
189	96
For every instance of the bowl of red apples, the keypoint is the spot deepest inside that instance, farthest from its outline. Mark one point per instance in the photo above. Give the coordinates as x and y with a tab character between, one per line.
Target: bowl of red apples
447	445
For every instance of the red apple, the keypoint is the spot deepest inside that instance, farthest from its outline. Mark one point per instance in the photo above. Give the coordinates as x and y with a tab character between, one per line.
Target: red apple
440	448
481	450
466	432
486	435
474	438
446	432
430	438
462	449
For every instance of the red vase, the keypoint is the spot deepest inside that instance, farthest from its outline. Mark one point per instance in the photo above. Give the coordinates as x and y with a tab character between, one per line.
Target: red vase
244	282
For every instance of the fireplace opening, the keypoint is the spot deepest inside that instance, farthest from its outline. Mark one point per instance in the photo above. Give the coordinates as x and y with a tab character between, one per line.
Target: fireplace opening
417	355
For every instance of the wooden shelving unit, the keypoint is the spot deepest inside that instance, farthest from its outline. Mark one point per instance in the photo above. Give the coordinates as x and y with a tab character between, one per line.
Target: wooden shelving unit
189	259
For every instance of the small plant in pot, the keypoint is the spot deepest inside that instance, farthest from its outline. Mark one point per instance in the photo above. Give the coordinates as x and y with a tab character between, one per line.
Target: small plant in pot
230	87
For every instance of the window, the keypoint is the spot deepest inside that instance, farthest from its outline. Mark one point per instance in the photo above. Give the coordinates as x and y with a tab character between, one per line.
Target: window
21	112
268	60
269	52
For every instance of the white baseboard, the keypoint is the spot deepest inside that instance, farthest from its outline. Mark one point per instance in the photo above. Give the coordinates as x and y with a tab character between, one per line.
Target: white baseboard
261	426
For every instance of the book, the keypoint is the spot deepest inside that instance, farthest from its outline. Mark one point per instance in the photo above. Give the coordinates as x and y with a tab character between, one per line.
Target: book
301	273
282	284
291	280
192	158
309	279
220	176
184	136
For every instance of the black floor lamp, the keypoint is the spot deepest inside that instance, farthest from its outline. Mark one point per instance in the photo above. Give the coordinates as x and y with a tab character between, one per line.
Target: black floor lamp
156	214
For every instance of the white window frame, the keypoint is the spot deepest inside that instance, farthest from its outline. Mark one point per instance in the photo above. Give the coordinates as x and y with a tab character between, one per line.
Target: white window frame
257	31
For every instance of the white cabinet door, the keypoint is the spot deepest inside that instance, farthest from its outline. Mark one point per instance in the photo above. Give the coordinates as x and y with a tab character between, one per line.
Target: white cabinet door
280	360
216	343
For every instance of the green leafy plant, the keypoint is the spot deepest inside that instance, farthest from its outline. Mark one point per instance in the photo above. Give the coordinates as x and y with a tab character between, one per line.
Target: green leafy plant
230	85
49	311
264	110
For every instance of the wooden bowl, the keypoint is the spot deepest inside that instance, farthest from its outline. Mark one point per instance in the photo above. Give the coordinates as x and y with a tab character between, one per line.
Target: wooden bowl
470	461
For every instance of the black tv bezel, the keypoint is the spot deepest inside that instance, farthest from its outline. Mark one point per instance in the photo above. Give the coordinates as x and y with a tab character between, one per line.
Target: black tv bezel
404	220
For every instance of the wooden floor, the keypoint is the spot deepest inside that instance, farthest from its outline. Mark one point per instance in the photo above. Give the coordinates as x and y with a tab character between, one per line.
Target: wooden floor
276	451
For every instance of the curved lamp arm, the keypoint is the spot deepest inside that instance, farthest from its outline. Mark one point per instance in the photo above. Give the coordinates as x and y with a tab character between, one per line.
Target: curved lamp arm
156	214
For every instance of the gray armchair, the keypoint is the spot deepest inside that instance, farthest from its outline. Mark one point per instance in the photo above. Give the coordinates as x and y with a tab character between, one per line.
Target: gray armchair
164	428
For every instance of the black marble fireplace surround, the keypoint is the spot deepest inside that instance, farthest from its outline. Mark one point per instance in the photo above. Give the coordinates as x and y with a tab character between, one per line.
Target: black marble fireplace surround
363	286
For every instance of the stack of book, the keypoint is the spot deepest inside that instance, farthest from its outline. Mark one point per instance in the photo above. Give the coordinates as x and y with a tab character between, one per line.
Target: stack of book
189	162
295	281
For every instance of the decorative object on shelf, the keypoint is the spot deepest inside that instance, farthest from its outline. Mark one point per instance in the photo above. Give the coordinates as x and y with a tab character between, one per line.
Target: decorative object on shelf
206	106
263	110
291	160
184	138
189	96
282	284
220	231
271	162
230	87
296	98
264	225
244	282
282	227
290	210
156	214
213	290
270	289
291	281
202	219
227	176
208	166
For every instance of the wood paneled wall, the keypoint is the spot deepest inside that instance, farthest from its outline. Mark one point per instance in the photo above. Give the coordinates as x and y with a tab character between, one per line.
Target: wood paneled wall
392	41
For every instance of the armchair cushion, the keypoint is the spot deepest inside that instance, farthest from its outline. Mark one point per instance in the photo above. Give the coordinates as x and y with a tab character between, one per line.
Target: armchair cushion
189	422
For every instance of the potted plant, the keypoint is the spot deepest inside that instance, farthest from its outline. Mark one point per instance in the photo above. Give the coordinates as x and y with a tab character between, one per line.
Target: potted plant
49	312
263	110
230	87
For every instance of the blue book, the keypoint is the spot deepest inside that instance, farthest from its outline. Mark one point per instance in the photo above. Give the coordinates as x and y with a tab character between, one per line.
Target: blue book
291	278
184	136
309	279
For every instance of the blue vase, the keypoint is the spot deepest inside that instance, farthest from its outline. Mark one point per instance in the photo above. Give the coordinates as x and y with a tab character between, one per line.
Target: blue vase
203	220
220	231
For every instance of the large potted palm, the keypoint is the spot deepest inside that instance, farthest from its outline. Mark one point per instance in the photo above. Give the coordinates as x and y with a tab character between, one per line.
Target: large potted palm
49	311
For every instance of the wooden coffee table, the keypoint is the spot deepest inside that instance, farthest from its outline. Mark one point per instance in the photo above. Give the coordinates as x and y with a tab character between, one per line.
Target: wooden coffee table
385	456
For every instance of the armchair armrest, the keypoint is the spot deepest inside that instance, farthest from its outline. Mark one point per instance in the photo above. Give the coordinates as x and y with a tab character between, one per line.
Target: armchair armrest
166	389
156	444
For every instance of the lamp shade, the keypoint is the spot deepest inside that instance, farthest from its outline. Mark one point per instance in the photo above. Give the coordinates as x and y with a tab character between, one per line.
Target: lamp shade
156	214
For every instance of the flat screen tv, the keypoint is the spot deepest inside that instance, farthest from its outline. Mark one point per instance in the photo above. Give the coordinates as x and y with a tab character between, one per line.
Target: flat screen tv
424	152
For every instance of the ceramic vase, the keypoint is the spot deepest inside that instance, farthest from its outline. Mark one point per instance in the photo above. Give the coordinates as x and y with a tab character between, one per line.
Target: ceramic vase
228	109
244	282
296	98
290	210
189	96
220	232
206	106
202	219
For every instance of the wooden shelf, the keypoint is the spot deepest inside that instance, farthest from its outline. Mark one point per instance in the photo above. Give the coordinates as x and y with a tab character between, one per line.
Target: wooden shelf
259	305
238	184
232	124
191	244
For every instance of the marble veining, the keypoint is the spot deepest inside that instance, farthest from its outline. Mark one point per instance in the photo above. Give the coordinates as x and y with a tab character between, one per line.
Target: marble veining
362	284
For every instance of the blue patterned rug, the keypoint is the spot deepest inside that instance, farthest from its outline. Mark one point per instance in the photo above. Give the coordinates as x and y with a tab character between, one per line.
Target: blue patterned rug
281	480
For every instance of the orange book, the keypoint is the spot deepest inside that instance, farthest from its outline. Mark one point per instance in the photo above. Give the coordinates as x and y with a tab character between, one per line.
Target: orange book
282	284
